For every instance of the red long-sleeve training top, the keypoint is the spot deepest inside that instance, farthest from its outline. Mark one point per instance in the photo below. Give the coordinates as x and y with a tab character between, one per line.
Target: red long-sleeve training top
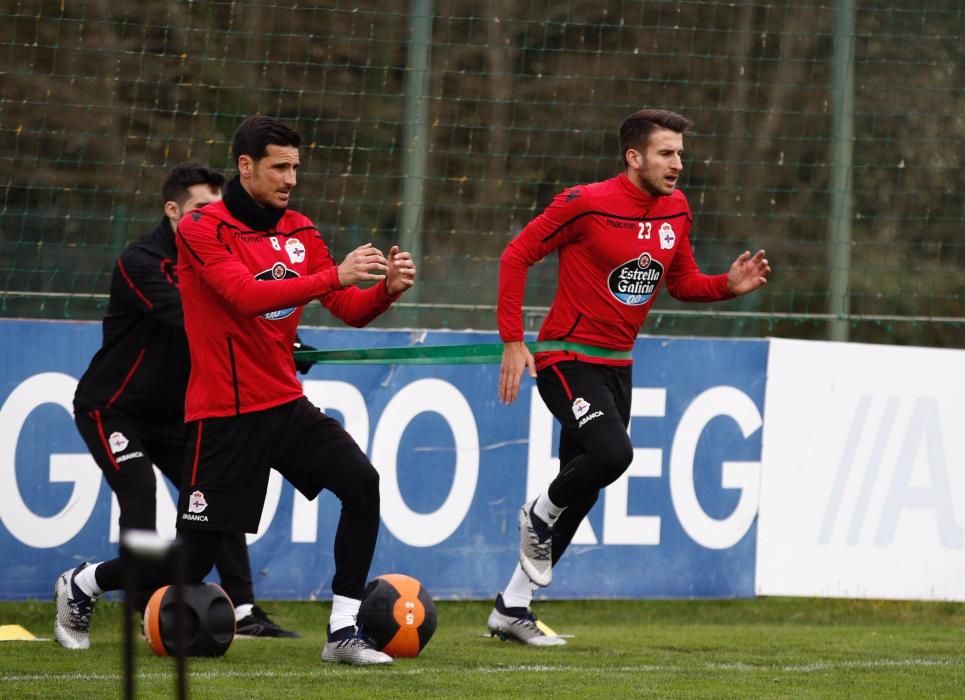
243	293
617	246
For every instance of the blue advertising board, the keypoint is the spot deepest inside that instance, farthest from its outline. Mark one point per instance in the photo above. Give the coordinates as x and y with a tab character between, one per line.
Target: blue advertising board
455	466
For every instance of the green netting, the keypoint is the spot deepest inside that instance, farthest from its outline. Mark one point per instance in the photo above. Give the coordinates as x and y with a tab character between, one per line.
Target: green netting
518	100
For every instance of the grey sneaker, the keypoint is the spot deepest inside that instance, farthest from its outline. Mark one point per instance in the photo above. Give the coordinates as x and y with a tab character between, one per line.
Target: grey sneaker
535	546
74	608
521	625
349	646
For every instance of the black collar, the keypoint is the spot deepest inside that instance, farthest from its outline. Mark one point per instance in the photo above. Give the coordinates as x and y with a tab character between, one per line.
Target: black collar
164	235
247	210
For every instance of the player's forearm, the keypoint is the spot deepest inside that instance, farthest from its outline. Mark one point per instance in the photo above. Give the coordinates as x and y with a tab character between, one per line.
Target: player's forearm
511	291
699	287
254	297
359	307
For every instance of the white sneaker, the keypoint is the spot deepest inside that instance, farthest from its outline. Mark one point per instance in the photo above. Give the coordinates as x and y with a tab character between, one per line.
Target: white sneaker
535	546
520	624
349	646
74	608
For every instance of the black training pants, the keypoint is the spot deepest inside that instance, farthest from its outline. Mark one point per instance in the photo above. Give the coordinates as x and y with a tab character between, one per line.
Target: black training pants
126	450
592	404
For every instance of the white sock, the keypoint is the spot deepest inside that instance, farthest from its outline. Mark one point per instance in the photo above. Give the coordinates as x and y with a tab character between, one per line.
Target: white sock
519	591
87	582
344	612
243	611
546	510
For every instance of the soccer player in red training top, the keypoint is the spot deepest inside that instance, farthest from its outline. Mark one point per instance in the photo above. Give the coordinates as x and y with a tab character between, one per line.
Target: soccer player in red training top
246	265
129	405
618	242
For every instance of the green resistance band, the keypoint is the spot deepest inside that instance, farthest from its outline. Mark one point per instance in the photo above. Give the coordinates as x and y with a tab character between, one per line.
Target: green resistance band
482	354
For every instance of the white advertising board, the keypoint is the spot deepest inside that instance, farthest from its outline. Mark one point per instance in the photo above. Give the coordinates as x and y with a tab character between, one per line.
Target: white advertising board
863	476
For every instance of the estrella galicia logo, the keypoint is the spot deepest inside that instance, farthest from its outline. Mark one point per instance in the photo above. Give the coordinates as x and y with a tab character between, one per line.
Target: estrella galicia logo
278	271
635	281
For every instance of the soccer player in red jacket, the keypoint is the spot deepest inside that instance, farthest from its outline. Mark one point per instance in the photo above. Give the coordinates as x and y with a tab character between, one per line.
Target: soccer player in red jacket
247	264
619	241
129	404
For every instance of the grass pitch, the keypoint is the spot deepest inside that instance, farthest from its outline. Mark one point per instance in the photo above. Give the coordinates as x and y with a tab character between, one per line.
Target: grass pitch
671	649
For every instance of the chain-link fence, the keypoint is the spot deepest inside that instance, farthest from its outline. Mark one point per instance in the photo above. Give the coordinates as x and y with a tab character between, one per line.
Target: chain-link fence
830	135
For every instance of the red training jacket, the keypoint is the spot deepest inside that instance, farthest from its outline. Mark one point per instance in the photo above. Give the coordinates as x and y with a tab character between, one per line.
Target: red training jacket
617	246
242	293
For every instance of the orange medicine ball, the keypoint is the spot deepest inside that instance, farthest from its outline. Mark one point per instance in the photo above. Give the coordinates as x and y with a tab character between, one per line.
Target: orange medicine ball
398	614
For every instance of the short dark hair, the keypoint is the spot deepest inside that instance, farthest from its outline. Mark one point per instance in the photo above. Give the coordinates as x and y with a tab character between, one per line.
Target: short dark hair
636	129
257	132
184	175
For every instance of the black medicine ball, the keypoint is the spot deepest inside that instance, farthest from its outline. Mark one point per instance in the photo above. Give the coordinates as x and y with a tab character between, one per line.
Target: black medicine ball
209	621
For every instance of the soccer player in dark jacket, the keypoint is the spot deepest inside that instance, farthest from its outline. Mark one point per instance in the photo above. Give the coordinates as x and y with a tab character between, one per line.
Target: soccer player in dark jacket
618	241
129	404
246	266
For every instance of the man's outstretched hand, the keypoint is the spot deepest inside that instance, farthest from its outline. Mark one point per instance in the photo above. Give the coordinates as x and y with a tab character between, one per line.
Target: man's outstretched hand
400	273
364	263
747	273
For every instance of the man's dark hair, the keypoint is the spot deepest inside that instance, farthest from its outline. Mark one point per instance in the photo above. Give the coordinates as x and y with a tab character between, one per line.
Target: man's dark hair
636	129
184	175
257	132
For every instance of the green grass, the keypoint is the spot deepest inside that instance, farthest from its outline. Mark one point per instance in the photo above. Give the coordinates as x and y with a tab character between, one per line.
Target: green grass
669	649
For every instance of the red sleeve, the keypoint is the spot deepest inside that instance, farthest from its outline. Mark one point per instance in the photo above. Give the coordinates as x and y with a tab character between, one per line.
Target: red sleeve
219	268
686	282
358	307
539	238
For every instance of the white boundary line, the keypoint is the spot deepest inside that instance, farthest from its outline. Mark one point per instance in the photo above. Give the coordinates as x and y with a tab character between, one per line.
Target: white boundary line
817	667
